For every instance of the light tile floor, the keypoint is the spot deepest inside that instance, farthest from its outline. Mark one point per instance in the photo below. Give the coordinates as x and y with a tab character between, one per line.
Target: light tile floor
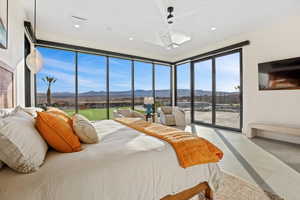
245	159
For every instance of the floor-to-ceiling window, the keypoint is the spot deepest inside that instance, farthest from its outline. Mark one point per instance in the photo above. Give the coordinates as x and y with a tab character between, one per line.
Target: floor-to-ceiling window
162	85
120	84
228	105
143	84
95	85
92	86
55	83
183	75
217	90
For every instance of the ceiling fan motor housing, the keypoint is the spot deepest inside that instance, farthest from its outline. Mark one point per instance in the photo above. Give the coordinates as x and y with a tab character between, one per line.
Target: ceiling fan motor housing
170	9
170	15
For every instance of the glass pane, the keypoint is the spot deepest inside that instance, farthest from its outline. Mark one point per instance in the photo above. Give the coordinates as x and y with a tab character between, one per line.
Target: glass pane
142	84
119	84
228	90
162	85
56	81
184	89
203	91
92	86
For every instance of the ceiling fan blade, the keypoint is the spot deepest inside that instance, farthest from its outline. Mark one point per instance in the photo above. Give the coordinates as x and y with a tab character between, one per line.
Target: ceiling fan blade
187	14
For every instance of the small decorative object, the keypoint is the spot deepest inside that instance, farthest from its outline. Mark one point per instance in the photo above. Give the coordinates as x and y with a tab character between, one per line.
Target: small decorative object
148	101
3	24
34	60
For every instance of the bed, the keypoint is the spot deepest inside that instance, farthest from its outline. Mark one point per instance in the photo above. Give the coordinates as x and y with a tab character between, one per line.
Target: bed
126	164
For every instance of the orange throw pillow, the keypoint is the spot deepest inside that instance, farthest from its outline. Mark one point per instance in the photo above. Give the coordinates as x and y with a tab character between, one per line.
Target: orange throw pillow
56	110
61	114
57	132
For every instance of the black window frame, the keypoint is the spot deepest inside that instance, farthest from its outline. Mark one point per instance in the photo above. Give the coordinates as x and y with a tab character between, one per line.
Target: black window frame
76	52
192	81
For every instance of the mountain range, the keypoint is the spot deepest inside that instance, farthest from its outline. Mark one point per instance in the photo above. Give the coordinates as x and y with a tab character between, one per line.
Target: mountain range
137	93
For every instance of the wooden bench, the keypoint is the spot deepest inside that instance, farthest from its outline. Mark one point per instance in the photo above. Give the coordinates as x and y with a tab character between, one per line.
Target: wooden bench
276	128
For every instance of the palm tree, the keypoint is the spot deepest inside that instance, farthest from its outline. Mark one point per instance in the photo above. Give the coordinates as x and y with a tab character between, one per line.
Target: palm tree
49	81
237	87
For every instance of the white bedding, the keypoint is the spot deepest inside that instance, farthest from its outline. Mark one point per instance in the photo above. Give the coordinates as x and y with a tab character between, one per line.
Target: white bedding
125	165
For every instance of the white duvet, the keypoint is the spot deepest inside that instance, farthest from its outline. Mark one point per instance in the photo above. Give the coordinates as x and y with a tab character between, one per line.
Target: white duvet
125	165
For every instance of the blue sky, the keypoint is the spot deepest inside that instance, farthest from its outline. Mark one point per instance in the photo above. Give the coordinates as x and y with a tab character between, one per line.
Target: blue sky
227	74
92	73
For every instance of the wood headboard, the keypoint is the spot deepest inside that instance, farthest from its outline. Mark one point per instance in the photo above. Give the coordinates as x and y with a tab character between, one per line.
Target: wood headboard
6	86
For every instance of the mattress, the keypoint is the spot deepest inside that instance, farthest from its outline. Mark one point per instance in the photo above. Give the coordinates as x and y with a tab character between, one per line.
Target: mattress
126	165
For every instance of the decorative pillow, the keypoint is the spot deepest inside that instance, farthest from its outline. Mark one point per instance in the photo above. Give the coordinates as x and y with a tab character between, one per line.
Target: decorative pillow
57	132
32	111
5	112
57	110
21	146
20	112
84	129
62	114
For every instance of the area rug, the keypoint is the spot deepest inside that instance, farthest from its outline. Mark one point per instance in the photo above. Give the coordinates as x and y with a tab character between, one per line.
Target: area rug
233	188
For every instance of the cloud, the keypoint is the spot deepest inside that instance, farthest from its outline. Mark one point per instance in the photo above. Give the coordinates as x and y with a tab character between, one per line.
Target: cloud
86	68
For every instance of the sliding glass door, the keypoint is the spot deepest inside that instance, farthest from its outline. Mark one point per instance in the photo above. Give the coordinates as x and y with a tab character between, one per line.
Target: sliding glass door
162	86
143	84
203	91
183	85
228	101
217	95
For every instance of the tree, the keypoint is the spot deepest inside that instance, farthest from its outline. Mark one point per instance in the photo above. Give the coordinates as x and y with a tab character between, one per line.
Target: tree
49	81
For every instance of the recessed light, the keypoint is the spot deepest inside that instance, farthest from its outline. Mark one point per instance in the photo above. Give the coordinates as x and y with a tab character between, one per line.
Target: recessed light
213	28
77	26
131	38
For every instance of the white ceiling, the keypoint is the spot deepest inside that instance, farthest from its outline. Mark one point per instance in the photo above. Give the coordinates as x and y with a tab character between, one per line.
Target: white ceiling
112	22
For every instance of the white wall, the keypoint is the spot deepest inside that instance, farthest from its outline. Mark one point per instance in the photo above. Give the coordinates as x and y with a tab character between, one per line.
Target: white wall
274	42
15	52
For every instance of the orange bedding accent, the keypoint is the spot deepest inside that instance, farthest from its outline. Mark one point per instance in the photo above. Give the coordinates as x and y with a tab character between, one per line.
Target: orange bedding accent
57	132
191	150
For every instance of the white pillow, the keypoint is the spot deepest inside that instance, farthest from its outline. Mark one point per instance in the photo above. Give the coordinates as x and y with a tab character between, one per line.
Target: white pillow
21	146
5	112
84	129
32	111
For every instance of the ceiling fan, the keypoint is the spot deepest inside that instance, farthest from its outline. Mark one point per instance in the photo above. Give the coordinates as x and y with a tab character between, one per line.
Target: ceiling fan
169	38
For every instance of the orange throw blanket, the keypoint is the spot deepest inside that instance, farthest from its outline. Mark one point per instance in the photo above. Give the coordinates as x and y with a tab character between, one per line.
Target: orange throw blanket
191	150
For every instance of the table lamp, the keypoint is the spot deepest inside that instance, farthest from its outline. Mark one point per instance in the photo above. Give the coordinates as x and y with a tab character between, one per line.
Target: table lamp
148	101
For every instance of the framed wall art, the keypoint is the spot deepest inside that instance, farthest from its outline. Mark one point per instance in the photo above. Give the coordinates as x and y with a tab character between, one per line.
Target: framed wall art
3	24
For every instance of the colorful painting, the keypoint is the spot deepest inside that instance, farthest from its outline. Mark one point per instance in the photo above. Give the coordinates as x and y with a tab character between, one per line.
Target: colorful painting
3	23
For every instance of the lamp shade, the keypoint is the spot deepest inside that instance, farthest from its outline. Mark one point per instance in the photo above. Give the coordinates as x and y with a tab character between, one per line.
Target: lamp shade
34	61
148	100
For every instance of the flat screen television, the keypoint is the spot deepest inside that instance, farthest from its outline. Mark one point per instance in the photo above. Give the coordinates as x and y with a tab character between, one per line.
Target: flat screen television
279	75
